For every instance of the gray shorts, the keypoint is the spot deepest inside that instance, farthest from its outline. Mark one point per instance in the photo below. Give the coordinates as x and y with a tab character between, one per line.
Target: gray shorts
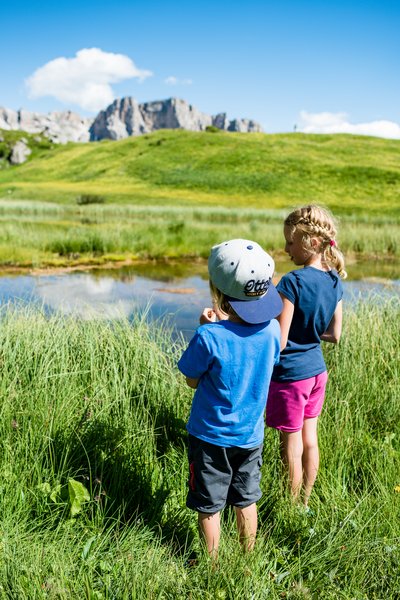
220	476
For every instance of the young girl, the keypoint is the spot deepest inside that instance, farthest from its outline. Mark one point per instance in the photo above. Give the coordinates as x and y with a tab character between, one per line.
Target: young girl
312	311
229	364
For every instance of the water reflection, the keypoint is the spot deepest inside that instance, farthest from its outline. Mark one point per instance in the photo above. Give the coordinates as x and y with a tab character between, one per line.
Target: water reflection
177	292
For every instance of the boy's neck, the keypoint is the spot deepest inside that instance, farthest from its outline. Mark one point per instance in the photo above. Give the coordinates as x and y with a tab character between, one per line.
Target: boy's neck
236	319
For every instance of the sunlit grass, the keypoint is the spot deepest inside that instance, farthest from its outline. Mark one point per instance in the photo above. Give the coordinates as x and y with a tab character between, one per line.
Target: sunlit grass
350	174
39	233
173	194
103	403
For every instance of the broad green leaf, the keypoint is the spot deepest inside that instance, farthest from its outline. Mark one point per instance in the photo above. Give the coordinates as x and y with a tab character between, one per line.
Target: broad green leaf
87	547
77	495
55	492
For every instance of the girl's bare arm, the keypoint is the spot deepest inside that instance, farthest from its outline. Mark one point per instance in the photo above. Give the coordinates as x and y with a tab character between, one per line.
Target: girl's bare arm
285	320
334	331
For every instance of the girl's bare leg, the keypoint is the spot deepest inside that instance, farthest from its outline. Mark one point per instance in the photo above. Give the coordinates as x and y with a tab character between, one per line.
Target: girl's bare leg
210	530
310	456
291	453
246	519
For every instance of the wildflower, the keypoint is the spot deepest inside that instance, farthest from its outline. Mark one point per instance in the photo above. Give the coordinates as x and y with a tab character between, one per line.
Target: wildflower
14	424
397	489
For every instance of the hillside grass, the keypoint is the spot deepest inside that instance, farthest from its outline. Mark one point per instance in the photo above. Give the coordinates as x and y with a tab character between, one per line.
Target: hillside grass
173	194
350	174
93	471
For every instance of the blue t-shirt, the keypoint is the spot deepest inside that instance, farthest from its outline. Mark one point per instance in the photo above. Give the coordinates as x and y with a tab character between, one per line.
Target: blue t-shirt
315	295
234	363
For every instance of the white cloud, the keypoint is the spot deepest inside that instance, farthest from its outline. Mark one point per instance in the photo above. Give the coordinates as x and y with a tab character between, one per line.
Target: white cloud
84	296
326	122
175	81
84	80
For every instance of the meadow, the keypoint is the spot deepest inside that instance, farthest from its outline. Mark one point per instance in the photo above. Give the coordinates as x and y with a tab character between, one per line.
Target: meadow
39	234
173	194
93	471
93	466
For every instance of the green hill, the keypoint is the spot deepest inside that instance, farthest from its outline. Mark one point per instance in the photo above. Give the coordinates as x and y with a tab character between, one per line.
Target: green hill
350	174
174	194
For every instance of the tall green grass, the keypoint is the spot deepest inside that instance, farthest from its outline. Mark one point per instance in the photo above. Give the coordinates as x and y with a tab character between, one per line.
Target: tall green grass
102	404
36	233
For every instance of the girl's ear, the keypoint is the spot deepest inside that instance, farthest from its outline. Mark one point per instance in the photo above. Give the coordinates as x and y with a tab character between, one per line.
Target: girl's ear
315	244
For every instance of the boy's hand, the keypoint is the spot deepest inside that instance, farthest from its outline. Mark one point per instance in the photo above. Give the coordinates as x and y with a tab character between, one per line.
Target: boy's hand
221	316
208	316
212	315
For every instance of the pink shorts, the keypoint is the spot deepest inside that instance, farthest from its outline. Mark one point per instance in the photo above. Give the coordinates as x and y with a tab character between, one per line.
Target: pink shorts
290	402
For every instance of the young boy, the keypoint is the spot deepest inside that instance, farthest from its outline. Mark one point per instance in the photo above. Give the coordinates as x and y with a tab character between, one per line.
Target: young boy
229	363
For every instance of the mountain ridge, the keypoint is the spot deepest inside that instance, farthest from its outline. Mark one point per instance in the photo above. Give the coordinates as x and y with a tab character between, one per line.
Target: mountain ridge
123	118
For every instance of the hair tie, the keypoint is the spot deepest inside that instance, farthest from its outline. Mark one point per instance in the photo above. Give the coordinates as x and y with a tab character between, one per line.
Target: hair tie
332	243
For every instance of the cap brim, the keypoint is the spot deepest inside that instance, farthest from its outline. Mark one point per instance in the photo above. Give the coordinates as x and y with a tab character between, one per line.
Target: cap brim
259	310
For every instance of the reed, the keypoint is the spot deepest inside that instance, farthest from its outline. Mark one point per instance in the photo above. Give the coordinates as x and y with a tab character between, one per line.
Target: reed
39	233
102	404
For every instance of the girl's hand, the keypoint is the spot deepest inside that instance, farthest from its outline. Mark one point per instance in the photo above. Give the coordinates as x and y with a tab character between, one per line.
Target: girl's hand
208	316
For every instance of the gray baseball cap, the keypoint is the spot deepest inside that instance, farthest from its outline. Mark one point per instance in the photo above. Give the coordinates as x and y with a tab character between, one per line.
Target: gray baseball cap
243	271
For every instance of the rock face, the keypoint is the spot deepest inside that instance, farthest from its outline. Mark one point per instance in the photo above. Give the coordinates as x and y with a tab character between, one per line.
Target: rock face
244	126
20	152
59	127
125	117
174	114
119	120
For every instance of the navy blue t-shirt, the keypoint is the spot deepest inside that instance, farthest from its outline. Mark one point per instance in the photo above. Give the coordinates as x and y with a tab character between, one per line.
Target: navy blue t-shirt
315	295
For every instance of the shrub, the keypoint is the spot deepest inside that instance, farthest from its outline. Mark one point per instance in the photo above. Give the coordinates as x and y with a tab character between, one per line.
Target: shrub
90	199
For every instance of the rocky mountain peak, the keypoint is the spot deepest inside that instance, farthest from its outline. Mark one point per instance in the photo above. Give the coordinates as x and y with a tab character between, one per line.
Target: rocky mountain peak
123	118
60	127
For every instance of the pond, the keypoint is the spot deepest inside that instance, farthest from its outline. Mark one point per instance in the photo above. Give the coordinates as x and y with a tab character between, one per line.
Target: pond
173	291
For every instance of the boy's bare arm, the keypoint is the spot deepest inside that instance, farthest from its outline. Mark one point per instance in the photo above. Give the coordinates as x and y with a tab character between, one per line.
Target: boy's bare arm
334	331
192	383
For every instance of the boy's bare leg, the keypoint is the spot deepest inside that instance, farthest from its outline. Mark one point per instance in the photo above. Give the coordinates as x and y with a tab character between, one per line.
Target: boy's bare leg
210	530
310	456
246	519
291	452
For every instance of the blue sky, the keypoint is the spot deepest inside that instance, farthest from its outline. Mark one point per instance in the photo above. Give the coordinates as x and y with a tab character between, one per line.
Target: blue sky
318	65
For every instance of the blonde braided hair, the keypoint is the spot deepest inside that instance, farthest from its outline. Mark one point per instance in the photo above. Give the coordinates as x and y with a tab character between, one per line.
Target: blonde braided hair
315	221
